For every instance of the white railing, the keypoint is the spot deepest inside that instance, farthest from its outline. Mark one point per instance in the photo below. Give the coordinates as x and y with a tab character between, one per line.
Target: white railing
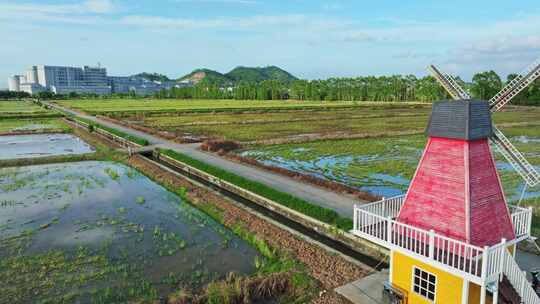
501	262
385	207
446	252
376	222
522	220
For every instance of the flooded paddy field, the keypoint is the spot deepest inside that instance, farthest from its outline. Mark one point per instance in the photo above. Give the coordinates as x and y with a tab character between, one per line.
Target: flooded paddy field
383	166
15	107
15	126
100	232
41	145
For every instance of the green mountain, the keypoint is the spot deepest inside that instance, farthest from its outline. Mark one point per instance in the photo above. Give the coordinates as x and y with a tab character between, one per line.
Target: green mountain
152	76
206	75
239	74
260	74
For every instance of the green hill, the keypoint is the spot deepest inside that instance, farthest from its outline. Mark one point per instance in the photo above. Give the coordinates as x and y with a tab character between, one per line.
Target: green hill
239	74
206	75
260	74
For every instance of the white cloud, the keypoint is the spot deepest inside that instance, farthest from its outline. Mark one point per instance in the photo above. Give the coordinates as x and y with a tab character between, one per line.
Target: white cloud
225	23
50	12
505	54
99	6
461	47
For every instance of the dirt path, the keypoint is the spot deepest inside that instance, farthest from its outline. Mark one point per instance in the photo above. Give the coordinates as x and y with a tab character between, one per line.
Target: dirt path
341	203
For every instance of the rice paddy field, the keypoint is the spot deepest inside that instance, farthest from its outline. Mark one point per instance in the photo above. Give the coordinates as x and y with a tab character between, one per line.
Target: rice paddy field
26	116
268	126
118	106
102	232
19	107
118	223
99	231
32	124
371	147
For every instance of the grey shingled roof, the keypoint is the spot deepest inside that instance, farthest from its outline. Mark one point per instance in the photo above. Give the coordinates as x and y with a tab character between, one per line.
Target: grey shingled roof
460	119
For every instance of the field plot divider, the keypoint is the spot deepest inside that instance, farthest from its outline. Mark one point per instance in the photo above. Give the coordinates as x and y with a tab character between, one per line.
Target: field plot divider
124	142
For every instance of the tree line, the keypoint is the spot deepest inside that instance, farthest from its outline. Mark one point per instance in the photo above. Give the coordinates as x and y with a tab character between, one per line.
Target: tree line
384	88
13	95
395	88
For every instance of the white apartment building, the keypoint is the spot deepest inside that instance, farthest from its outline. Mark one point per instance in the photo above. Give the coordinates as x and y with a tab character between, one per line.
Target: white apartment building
61	80
65	80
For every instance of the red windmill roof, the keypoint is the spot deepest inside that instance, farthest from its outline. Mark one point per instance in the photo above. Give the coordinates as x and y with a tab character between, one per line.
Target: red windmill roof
456	190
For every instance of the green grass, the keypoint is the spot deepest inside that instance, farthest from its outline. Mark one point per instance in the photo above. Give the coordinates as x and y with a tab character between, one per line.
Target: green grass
195	105
366	120
257	131
19	107
60	277
257	117
34	124
325	215
132	138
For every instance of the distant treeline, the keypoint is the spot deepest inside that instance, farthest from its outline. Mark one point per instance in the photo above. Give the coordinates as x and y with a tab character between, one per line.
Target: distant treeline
13	95
385	88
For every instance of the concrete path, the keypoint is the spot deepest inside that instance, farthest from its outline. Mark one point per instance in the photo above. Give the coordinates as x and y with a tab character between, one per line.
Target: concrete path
367	290
342	204
528	261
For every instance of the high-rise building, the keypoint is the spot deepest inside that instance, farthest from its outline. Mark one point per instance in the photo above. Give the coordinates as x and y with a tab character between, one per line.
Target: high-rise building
62	80
94	80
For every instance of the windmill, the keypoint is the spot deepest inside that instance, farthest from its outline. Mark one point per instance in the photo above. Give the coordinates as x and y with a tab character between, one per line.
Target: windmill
454	221
511	90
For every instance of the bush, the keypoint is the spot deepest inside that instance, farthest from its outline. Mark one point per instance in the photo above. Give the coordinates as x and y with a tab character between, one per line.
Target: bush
225	146
322	214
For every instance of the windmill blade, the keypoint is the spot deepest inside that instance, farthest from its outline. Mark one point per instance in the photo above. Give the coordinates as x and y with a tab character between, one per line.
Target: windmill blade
515	158
449	84
514	87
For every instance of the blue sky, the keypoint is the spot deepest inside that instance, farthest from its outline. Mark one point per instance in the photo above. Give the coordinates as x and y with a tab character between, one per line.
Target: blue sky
310	38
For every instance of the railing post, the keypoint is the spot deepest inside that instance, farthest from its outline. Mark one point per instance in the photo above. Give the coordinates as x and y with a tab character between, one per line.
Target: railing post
431	243
524	284
484	275
355	218
529	220
389	230
496	293
502	259
383	207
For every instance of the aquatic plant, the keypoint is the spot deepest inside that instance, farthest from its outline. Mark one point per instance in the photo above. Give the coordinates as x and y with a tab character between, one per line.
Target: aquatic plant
112	173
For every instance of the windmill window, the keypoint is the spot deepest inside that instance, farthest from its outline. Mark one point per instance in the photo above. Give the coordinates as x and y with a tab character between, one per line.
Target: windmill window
424	283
